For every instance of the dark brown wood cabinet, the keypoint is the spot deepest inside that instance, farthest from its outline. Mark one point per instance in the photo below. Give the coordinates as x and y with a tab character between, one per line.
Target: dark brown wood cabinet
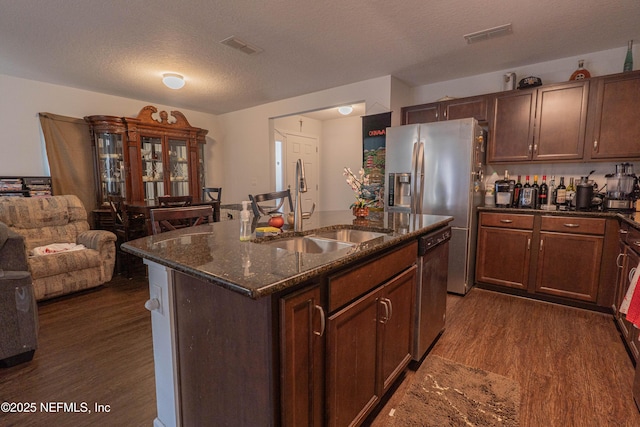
369	345
302	324
542	124
614	128
504	247
627	261
570	257
144	157
451	109
558	256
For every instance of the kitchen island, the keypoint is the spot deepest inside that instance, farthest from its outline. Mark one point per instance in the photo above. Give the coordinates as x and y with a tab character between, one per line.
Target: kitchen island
247	333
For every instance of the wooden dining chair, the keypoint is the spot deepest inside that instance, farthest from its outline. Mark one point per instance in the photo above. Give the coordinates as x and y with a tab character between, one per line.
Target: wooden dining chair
126	227
167	219
212	194
276	199
174	201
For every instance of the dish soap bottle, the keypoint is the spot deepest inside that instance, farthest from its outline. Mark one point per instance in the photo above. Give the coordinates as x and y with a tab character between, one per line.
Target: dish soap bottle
245	221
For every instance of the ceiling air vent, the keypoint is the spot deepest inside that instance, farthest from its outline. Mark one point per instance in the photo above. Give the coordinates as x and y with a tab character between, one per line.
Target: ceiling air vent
241	45
490	33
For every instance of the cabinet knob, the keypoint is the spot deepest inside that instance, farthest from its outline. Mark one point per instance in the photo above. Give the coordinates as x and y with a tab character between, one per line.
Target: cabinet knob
152	304
595	145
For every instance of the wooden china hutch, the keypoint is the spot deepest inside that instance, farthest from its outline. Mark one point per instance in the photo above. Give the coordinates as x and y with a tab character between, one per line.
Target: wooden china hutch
144	157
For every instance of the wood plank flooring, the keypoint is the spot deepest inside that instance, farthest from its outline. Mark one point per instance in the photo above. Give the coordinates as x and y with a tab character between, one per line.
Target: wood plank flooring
96	347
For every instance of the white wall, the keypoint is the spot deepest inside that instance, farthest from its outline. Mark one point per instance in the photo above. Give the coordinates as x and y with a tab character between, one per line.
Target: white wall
21	142
245	137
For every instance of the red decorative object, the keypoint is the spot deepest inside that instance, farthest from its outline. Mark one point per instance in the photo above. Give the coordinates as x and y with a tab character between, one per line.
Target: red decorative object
276	220
361	212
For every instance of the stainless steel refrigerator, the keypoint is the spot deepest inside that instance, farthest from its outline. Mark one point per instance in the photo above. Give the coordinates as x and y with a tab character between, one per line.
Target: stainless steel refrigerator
436	168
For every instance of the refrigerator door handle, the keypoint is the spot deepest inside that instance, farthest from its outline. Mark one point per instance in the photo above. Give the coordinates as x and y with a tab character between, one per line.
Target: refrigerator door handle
420	179
414	177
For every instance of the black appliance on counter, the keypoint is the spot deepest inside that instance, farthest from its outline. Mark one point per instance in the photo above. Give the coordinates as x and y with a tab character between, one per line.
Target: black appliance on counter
431	300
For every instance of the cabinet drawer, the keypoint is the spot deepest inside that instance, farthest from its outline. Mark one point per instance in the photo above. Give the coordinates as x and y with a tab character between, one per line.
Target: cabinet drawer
506	220
568	224
345	287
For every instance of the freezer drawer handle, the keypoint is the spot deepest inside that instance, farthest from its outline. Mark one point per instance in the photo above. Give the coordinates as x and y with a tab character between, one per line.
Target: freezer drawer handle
322	322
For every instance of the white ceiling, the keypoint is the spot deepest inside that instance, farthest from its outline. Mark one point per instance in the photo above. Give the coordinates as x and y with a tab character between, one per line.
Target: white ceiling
121	47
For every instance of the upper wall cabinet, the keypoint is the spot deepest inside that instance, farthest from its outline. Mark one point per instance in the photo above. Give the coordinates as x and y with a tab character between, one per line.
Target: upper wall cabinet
462	108
148	156
542	124
614	118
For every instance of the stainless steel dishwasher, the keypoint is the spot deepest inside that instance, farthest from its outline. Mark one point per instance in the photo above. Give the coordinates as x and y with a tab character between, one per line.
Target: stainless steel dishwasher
431	298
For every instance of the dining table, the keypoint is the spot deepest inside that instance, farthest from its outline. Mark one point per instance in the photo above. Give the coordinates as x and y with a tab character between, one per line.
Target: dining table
143	207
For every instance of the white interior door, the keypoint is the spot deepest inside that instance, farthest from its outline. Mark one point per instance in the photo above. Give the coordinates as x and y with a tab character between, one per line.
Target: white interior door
305	147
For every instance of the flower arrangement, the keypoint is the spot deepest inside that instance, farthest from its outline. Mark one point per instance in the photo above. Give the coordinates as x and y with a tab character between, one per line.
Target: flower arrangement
364	197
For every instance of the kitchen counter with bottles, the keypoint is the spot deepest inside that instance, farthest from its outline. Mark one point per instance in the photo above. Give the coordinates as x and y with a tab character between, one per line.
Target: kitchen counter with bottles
246	333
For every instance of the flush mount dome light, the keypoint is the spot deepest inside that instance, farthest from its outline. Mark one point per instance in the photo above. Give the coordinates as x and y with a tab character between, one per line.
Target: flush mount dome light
345	110
173	81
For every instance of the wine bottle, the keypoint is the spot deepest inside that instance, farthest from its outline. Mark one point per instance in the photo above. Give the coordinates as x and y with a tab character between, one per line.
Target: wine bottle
535	182
544	192
628	60
551	200
517	189
526	182
571	193
561	195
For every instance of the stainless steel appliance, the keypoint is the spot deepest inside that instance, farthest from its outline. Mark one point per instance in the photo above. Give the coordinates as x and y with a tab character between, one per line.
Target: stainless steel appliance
621	188
445	165
431	298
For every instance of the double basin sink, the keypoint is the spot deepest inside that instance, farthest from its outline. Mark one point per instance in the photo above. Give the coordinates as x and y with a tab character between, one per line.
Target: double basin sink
325	241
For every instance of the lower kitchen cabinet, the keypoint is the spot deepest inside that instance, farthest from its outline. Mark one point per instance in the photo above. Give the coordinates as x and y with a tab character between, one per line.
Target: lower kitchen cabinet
504	246
569	257
369	345
302	323
548	255
627	261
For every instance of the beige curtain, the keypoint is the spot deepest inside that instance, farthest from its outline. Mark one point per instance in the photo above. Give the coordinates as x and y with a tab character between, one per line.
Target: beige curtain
68	143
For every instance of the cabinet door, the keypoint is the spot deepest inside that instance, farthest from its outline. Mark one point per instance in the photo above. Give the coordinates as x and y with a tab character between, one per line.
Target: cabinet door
351	361
396	319
569	265
503	256
463	108
511	124
301	358
178	166
425	113
629	332
153	166
615	128
561	117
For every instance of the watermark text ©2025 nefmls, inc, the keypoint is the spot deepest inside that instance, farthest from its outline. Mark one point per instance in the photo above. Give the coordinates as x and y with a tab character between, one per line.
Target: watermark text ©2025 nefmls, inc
54	407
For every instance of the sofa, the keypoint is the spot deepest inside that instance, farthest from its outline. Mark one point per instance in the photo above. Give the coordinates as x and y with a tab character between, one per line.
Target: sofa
18	309
60	221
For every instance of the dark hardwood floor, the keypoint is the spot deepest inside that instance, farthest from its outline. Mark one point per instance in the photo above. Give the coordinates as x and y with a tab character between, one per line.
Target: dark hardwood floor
95	347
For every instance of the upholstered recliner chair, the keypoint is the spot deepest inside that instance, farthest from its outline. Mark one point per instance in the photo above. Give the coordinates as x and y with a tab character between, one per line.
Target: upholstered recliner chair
60	220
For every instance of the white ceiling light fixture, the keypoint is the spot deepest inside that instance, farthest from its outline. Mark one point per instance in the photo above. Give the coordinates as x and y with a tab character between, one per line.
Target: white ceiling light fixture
490	33
173	80
345	110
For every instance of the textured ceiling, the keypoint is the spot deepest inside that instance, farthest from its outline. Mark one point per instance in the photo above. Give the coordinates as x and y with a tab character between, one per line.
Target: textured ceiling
121	47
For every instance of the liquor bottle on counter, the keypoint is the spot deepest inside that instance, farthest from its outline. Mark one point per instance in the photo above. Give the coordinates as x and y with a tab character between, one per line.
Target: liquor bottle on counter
571	193
543	192
517	189
535	182
551	200
526	182
561	195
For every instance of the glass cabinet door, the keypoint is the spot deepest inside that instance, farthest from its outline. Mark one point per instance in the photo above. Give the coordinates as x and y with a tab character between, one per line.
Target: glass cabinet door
152	170
110	165
179	164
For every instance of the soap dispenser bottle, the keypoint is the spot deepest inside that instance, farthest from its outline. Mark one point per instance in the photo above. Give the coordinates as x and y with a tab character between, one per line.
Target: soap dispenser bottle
245	221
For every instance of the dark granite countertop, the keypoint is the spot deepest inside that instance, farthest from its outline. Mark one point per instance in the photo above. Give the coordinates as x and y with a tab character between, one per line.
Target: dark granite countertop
215	254
632	218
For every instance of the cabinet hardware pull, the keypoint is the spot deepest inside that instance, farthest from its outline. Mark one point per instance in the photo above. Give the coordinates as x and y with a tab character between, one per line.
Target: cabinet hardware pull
631	273
595	145
636	243
385	318
570	225
530	148
620	255
623	231
535	148
506	221
322	321
529	244
390	308
541	244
